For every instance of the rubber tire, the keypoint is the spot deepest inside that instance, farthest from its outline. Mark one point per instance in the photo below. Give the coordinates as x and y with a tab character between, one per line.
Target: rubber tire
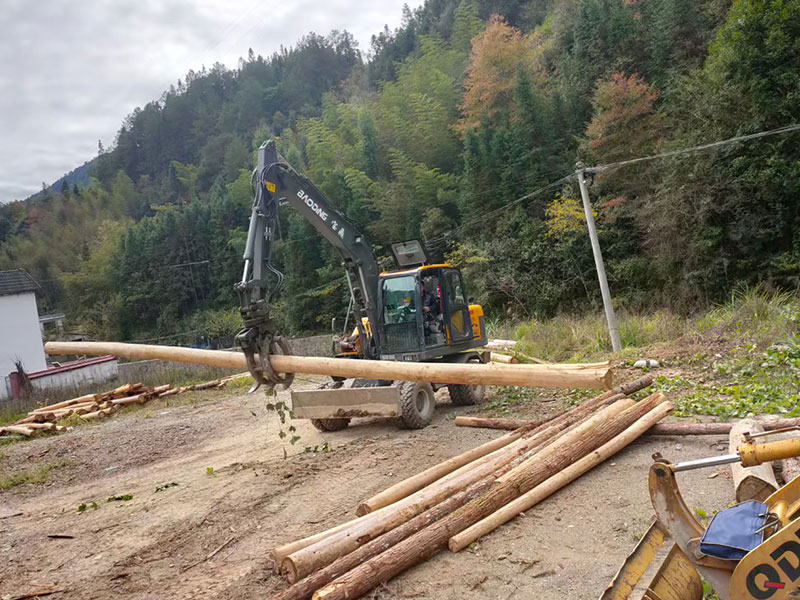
330	424
467	395
412	394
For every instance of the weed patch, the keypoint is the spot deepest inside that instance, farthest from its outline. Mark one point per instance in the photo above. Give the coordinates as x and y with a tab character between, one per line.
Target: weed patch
31	476
750	383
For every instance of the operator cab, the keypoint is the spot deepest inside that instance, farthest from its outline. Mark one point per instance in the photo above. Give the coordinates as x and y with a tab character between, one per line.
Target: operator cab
425	312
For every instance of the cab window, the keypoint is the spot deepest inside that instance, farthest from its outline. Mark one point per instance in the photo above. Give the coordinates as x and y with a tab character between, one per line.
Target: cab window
399	305
455	289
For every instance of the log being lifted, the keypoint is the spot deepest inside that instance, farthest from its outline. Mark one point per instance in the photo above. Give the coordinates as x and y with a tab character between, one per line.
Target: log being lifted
468	374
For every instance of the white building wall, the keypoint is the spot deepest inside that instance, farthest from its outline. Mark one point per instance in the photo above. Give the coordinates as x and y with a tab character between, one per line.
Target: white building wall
20	337
91	374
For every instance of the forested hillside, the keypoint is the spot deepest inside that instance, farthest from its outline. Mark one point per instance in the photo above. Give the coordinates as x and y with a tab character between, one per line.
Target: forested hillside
459	128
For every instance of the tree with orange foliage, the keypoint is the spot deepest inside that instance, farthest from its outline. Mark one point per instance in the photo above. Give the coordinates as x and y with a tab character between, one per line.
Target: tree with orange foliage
498	53
625	123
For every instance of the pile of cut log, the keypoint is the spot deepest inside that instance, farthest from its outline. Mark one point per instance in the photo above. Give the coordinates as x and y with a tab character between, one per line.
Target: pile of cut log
455	502
99	406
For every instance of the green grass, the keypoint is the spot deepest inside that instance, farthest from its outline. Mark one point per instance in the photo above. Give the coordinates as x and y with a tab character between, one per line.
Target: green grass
570	339
31	476
506	399
751	382
761	316
756	316
759	333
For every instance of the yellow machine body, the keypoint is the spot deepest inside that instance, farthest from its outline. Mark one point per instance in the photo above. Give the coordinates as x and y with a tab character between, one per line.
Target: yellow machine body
771	571
462	327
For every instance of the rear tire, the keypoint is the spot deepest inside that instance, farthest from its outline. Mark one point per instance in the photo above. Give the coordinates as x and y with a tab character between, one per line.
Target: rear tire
330	424
467	395
417	404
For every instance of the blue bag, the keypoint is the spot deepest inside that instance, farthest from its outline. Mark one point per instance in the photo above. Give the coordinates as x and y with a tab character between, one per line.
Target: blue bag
733	532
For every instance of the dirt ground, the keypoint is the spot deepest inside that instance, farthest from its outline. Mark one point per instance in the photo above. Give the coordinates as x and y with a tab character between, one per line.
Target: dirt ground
158	544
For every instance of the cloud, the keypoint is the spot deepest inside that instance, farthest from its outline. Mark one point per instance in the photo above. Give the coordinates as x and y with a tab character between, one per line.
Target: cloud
71	72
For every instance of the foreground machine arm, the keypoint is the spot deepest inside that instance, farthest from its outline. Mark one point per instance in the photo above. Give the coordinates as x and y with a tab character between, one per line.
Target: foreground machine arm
771	570
276	182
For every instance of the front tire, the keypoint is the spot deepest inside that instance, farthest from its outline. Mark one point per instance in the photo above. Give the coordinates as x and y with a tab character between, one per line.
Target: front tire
417	404
467	395
330	424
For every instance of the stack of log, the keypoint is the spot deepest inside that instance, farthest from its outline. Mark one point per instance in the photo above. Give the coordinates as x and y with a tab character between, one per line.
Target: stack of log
463	498
99	406
662	429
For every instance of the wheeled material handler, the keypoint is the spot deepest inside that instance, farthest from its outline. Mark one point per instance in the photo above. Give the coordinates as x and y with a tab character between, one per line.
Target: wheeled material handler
418	313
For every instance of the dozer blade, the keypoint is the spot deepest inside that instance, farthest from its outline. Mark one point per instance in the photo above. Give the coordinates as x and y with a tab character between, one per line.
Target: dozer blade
382	401
675	576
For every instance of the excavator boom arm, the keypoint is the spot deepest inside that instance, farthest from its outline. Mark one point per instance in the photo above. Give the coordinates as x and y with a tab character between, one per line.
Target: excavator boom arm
276	182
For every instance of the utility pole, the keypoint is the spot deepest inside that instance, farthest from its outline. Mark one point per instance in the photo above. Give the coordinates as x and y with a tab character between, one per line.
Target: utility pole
611	318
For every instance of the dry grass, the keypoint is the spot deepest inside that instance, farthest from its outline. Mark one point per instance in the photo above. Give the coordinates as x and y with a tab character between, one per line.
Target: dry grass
760	317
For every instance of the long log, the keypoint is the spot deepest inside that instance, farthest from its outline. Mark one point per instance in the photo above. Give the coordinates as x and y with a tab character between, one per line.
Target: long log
420	480
78	410
89	403
489	423
433	538
279	553
501	344
207	384
21	430
122	390
468	374
137	399
678	429
35	417
99	414
65	403
556	482
42	426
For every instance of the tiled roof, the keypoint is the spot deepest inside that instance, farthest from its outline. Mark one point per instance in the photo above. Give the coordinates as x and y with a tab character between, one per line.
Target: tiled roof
17	282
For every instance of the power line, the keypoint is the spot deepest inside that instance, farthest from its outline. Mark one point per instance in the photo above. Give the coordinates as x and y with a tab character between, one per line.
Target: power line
600	168
741	138
442	237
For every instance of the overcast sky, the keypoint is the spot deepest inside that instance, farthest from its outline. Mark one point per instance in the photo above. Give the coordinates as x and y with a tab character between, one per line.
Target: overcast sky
71	71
